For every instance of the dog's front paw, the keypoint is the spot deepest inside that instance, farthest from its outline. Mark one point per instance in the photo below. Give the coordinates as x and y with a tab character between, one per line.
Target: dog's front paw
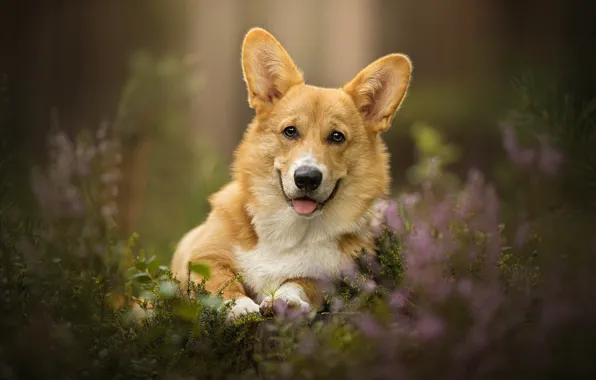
289	299
283	302
243	306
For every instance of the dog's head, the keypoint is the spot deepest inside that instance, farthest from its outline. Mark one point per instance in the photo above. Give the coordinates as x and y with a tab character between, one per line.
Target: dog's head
315	152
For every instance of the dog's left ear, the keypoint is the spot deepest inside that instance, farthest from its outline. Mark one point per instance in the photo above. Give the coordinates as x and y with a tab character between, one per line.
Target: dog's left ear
269	72
379	89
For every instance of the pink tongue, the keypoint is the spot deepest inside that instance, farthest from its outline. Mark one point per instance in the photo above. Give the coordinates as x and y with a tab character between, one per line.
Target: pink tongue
304	206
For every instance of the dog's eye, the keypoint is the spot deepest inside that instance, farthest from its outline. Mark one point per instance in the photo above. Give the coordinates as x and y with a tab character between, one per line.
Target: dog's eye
290	132
337	137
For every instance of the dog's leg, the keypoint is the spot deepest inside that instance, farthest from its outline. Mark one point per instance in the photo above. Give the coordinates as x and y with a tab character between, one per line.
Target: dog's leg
303	294
223	278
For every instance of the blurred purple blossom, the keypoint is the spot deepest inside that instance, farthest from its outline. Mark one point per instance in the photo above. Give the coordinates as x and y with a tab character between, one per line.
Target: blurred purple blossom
519	156
109	210
378	218
337	305
350	272
79	182
369	286
410	200
367	325
307	344
465	287
279	306
443	213
430	327
397	299
521	234
110	177
550	159
102	131
393	219
370	261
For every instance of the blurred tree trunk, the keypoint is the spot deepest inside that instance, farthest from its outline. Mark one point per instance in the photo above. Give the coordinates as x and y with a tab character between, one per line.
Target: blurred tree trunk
136	154
215	38
349	39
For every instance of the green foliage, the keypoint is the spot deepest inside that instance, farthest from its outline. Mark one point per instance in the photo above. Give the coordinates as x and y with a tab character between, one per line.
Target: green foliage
434	155
157	125
546	108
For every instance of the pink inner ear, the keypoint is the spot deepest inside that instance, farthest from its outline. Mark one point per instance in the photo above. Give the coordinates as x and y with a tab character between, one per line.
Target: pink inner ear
366	110
274	94
382	95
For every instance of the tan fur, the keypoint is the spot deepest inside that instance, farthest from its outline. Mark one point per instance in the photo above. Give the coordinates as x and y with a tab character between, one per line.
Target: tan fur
311	288
250	216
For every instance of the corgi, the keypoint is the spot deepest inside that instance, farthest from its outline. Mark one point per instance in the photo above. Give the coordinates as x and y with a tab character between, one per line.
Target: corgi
305	179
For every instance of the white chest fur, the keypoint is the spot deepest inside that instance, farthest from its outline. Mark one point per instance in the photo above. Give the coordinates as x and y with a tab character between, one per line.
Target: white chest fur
295	247
266	267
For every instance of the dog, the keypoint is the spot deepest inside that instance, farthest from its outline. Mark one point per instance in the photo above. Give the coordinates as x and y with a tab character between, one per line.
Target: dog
305	179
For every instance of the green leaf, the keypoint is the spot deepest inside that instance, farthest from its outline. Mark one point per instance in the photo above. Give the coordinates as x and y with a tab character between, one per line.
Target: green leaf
152	263
201	269
147	296
140	265
141	277
211	302
187	311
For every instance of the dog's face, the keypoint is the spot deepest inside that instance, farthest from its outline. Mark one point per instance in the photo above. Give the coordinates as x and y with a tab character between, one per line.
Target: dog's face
317	141
315	152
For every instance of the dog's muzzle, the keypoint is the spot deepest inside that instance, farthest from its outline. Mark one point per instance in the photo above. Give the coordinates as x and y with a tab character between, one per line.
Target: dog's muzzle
307	179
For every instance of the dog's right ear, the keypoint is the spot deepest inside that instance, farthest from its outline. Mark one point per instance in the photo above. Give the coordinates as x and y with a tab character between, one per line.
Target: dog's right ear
269	72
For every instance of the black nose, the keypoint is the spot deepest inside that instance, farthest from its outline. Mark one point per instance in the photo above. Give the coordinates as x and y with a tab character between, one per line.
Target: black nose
307	178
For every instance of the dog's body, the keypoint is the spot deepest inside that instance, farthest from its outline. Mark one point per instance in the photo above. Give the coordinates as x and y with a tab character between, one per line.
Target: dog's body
305	179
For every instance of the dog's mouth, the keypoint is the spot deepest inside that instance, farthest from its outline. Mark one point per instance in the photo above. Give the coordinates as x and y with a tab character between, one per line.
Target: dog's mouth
305	205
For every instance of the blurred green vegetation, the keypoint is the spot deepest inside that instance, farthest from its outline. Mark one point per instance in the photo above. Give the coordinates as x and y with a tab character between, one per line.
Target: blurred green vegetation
175	166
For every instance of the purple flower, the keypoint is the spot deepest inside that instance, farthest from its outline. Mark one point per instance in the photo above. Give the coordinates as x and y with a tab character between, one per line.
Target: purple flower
337	305
349	271
307	344
103	147
465	287
441	289
369	260
61	141
392	218
397	299
369	286
110	177
485	301
410	200
279	306
421	248
102	131
367	325
378	217
442	214
519	156
550	159
522	234
430	327
109	210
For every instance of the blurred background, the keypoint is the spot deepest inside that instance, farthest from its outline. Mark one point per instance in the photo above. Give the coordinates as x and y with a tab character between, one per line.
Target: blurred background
166	77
